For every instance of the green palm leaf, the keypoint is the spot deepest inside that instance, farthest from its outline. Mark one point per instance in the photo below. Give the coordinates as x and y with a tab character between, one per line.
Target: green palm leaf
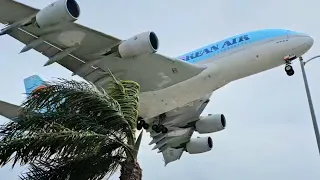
73	130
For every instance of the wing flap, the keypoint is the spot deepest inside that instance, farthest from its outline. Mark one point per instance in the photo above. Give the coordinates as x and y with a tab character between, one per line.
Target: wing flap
46	49
172	154
70	62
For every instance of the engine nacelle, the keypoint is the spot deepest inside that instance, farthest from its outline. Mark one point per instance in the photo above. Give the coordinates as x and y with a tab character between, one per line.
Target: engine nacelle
58	12
210	123
146	42
199	145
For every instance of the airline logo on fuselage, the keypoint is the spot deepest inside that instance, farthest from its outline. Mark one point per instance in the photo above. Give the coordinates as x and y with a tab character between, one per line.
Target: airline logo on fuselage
215	47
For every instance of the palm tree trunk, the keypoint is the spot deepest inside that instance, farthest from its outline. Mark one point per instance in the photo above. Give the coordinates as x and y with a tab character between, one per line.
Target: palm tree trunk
131	171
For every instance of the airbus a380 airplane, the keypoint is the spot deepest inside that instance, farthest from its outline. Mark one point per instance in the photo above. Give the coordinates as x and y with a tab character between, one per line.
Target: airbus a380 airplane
174	91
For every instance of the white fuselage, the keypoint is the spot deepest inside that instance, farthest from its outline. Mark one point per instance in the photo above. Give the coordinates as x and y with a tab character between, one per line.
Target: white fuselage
227	67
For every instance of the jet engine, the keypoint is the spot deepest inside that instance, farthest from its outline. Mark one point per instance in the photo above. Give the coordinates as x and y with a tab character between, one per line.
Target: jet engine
199	145
143	43
58	12
210	123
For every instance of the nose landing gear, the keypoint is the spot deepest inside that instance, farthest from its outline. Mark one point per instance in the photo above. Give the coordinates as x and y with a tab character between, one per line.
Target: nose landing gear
288	68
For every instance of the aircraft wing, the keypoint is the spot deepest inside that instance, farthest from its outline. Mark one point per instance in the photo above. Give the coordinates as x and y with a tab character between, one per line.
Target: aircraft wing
172	144
9	111
88	49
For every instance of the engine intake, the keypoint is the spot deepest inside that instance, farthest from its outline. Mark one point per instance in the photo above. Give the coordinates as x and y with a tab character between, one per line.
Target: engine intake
210	123
73	8
199	145
143	43
58	12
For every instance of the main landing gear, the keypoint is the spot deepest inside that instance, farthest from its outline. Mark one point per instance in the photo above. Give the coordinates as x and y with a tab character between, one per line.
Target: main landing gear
156	127
288	68
159	127
142	124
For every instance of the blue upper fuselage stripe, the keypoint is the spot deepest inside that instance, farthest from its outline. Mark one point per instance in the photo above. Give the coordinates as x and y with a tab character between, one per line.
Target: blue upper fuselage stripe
232	42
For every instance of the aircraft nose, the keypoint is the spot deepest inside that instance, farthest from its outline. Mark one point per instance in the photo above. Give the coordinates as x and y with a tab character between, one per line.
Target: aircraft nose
302	42
309	41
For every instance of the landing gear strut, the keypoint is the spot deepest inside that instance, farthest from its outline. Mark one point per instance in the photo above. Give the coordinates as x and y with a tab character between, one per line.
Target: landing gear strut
159	127
288	68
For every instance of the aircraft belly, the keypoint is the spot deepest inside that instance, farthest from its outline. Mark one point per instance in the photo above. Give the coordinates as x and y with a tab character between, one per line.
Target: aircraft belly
153	103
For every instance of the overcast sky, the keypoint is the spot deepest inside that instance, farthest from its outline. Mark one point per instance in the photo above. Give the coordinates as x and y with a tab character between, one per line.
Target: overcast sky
269	133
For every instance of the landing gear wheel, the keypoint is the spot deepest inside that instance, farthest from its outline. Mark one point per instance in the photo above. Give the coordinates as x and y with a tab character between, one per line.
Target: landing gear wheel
161	127
156	128
289	70
164	130
139	126
290	73
142	124
145	126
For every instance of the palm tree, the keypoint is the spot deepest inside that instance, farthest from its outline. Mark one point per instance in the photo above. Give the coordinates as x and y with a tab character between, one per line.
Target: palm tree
75	130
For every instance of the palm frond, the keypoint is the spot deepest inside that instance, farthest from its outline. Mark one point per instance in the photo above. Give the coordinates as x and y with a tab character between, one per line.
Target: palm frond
74	130
60	144
137	145
91	167
126	93
76	103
